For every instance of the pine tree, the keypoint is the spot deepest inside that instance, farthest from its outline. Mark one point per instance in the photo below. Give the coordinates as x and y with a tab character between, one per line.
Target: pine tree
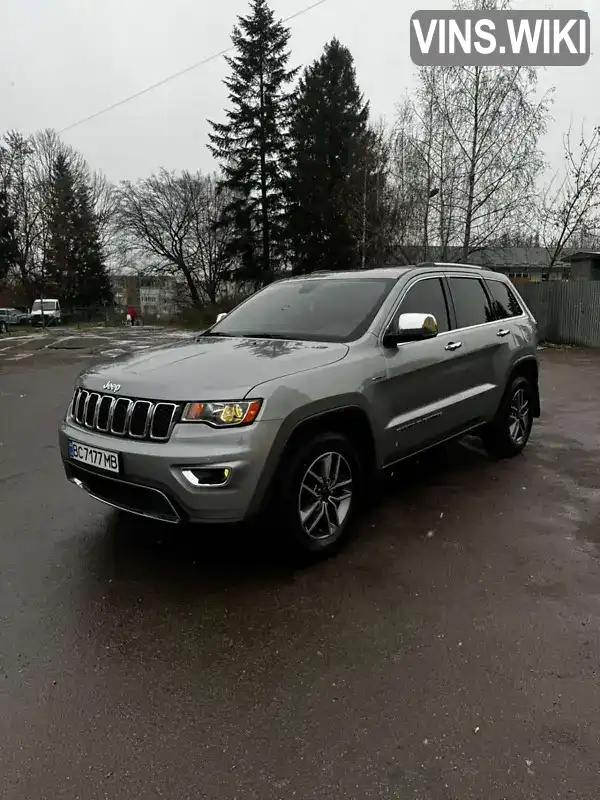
328	139
93	283
251	145
74	266
8	243
60	265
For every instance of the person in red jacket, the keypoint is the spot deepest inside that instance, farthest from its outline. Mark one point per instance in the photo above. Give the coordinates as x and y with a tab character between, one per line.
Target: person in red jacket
131	315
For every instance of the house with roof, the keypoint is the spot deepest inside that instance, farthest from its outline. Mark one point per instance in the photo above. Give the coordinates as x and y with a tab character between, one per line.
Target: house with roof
520	264
584	265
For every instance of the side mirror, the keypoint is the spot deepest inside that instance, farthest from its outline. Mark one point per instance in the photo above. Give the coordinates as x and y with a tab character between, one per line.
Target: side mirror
411	328
221	316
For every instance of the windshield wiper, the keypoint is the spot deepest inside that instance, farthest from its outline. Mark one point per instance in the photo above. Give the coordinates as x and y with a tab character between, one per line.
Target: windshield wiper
213	333
265	336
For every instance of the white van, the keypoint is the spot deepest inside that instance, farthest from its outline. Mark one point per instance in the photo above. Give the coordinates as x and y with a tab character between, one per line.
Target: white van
51	312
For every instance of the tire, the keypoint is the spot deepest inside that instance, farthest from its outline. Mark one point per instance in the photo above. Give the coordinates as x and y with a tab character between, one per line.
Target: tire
298	490
508	433
3	327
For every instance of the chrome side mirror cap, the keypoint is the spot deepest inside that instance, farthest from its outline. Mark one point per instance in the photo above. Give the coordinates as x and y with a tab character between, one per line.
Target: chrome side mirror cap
221	316
417	326
411	328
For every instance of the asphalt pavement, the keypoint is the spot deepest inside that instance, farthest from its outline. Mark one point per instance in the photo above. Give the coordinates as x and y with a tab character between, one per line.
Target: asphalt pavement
451	652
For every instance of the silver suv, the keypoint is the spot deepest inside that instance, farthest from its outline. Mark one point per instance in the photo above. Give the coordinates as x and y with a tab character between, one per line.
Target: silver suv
296	399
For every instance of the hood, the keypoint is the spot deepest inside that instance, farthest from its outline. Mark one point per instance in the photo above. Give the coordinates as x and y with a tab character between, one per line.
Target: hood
210	368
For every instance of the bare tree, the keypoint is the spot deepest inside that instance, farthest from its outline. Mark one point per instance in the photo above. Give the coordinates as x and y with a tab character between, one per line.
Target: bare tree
472	137
408	184
26	165
493	120
171	219
213	261
570	207
17	178
104	202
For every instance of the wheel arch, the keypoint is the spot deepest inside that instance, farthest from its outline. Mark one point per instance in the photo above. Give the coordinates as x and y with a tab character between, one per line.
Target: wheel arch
528	367
349	418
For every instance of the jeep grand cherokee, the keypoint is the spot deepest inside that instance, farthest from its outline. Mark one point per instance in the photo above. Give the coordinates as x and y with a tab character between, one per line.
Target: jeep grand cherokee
300	395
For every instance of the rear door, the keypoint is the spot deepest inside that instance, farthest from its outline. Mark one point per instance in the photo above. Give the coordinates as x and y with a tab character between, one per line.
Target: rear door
421	395
510	313
488	345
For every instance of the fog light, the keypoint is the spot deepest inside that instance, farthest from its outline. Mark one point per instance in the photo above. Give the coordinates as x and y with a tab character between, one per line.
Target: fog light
207	476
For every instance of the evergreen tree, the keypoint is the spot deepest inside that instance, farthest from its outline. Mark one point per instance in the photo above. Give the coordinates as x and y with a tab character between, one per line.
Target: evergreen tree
252	143
328	140
74	266
93	282
60	264
8	243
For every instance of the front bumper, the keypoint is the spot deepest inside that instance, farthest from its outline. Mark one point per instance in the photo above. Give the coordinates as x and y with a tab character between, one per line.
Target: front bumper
152	480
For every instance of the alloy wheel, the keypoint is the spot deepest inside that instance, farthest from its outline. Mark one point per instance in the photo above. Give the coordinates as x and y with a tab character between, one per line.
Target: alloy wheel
518	417
325	496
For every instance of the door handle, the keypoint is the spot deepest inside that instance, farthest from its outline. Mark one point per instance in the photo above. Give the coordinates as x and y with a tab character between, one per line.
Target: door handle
503	332
453	346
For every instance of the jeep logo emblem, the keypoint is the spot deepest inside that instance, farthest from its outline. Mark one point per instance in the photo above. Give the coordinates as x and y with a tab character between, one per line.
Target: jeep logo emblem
112	387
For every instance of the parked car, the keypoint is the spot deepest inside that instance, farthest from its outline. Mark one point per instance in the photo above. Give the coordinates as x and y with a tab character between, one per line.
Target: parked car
5	320
300	396
23	317
11	316
47	314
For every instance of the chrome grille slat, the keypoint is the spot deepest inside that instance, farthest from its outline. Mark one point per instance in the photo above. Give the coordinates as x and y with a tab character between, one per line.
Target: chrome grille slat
147	418
146	424
111	413
106	400
97	411
91	395
120	402
173	407
79	410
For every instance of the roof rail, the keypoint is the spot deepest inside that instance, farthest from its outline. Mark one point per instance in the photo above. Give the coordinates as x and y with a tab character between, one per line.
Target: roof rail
445	265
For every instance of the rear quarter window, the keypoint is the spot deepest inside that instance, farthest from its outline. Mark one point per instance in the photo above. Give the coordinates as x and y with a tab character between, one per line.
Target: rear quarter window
504	300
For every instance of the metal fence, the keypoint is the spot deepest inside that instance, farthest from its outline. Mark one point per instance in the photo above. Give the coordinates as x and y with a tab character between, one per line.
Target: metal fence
566	313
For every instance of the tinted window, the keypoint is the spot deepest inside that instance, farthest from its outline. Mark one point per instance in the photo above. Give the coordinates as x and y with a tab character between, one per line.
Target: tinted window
427	297
505	303
319	310
470	302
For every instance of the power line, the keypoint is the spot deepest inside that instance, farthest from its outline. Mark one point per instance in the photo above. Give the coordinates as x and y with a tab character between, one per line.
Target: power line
176	75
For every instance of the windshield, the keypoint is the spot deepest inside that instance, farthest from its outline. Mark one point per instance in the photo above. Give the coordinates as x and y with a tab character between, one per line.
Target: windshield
49	305
327	310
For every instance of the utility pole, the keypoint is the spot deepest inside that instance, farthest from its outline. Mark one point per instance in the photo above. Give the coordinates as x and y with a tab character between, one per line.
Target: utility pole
42	293
364	218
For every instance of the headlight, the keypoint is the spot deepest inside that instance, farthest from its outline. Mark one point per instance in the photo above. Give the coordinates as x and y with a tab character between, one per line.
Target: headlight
223	415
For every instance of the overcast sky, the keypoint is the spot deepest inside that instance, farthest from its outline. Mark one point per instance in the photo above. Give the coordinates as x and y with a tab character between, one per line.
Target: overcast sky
61	60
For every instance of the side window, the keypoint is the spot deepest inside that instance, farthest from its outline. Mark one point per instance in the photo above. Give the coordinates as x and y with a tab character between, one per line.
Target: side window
470	302
506	304
427	297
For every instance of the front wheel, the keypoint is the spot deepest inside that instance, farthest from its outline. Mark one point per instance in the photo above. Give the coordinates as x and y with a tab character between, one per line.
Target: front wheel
3	327
508	433
320	493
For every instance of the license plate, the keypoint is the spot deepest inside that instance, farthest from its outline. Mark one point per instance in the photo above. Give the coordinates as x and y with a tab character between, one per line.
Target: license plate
94	456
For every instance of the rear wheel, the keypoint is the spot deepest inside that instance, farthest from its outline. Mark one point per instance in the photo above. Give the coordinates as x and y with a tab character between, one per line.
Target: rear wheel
3	327
319	495
507	435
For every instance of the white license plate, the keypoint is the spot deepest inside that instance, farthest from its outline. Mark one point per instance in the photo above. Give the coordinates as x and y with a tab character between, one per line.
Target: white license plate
94	456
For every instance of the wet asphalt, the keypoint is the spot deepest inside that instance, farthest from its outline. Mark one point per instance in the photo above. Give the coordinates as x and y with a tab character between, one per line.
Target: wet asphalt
451	652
